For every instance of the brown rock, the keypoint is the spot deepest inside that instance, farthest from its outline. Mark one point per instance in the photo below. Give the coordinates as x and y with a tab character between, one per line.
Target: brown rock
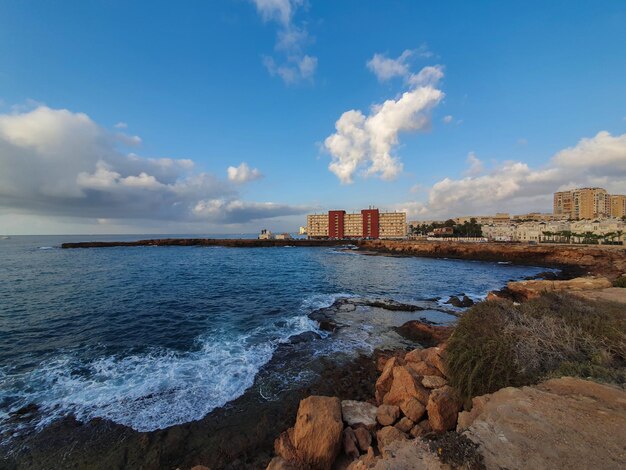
358	413
387	435
387	414
363	438
525	290
423	333
421	429
433	381
318	431
200	467
413	409
383	384
350	444
405	424
405	386
416	355
443	408
283	445
278	463
422	368
436	357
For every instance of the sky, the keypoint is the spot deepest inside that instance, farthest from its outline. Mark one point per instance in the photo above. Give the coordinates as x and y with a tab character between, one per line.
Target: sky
231	116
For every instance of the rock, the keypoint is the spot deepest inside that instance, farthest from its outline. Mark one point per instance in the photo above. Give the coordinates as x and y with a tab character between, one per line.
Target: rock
421	429
422	368
278	463
433	381
387	414
405	386
526	290
413	409
283	445
387	435
317	434
417	355
423	333
561	423
405	424
436	357
383	384
350	444
363	438
358	412
461	303
443	408
201	467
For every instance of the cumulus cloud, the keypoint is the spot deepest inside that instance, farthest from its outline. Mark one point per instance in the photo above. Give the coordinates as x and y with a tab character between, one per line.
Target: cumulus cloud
243	173
447	119
386	68
59	163
515	186
292	64
366	142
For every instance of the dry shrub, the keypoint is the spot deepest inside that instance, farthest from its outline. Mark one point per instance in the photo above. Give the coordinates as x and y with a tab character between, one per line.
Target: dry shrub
498	344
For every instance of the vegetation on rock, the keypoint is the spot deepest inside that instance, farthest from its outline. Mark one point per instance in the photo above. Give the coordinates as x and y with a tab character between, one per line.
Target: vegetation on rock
499	344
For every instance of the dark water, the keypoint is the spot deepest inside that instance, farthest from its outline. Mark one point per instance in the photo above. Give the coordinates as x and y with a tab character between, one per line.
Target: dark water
150	337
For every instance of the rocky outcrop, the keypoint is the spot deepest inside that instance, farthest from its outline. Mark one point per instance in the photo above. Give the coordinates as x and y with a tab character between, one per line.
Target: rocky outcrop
607	261
526	290
423	333
562	423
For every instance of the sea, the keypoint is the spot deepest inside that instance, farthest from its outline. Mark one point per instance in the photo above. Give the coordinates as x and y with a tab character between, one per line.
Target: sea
151	337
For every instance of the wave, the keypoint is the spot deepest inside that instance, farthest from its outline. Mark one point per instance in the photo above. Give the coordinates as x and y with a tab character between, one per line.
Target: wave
149	391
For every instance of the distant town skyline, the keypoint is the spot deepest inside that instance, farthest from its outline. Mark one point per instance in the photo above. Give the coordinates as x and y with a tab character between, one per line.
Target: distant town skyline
233	116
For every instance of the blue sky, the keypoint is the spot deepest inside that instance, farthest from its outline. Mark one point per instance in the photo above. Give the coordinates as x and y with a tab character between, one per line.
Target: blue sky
530	98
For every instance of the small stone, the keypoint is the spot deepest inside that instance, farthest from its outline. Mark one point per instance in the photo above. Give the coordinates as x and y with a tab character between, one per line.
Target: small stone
358	413
387	435
363	438
413	409
405	424
387	414
349	444
433	381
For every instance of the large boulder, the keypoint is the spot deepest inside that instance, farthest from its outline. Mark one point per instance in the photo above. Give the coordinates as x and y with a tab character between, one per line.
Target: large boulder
387	435
383	384
357	413
443	408
317	435
283	446
404	387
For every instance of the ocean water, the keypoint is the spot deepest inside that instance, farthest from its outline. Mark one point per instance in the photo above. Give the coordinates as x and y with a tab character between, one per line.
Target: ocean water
150	337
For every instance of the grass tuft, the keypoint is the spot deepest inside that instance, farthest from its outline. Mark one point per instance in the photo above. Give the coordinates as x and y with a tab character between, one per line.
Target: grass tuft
499	344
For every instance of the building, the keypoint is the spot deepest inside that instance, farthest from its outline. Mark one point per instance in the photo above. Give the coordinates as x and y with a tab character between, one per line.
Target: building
618	206
283	236
266	235
582	203
317	225
369	223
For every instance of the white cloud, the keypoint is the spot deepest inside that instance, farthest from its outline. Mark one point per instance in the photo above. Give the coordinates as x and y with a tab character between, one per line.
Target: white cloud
293	64
243	173
475	165
54	162
386	68
515	186
121	125
447	119
366	142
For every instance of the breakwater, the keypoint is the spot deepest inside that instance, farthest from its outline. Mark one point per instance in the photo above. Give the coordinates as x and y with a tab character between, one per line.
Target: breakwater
227	242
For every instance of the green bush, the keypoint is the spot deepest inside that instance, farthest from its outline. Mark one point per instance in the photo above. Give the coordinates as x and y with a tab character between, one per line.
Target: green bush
499	344
620	282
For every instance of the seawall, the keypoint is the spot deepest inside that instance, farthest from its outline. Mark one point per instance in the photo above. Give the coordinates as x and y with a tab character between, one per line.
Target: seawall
227	242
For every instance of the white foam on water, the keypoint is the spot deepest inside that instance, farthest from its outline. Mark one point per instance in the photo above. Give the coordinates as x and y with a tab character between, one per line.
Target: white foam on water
153	390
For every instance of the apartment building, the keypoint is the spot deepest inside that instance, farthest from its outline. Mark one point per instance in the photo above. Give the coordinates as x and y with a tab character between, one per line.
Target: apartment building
369	223
582	203
618	206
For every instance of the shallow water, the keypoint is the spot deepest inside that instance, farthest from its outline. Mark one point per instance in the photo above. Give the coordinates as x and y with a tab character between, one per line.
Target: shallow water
150	337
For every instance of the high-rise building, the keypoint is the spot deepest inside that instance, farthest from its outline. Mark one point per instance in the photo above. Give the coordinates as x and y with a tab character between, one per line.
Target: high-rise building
369	223
618	205
582	203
